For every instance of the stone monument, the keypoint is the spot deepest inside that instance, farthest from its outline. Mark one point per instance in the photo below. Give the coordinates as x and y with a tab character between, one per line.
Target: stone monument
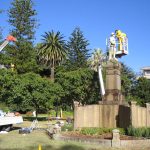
113	93
113	83
111	111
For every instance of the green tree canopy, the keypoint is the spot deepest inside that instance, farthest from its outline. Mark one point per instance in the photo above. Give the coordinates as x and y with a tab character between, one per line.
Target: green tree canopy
22	19
52	51
79	86
141	91
28	91
78	50
23	22
128	79
94	60
0	28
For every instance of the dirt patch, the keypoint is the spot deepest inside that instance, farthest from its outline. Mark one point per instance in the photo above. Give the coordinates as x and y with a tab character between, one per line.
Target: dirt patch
107	136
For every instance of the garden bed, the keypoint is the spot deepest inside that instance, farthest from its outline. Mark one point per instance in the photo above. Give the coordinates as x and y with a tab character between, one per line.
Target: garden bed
107	136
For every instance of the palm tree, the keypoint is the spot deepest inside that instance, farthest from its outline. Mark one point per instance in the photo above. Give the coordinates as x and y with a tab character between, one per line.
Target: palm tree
96	59
53	50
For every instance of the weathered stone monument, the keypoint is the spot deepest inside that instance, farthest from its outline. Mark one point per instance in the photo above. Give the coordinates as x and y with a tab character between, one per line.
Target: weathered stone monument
113	67
113	83
112	111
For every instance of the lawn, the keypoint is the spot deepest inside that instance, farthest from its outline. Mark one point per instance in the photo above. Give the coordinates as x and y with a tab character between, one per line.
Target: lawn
15	141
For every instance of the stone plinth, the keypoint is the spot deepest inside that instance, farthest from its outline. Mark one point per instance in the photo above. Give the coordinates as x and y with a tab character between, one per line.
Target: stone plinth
116	138
113	83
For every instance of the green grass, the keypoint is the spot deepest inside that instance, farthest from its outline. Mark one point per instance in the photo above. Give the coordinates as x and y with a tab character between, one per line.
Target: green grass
43	117
15	141
67	114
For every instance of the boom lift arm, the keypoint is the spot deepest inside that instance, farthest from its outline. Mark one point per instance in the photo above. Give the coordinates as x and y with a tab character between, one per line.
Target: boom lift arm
102	88
102	60
9	38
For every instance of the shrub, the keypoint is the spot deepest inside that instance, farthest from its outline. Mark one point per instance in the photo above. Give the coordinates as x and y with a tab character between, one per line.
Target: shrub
52	113
138	132
147	132
130	130
122	131
90	131
4	107
94	131
69	127
99	131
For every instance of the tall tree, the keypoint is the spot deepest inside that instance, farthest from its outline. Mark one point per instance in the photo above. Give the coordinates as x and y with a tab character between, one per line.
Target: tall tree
22	18
52	51
78	51
128	79
0	33
0	28
23	22
140	91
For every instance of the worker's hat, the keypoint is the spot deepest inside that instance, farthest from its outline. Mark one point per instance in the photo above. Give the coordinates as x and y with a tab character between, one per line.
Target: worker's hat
112	33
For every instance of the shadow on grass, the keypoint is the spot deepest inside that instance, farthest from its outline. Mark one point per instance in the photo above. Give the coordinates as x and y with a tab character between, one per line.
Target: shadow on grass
71	147
49	147
33	118
15	128
42	118
32	148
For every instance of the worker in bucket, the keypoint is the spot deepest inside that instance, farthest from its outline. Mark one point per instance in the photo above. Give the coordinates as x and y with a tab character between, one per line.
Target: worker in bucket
121	39
112	46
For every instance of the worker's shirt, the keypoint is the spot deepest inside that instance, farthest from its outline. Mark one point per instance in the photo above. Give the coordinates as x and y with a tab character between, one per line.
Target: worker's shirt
112	40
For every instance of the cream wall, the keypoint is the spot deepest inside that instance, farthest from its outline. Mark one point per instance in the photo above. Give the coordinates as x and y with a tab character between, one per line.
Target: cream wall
111	116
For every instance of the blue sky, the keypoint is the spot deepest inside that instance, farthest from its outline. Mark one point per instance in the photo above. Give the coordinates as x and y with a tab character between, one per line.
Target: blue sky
97	19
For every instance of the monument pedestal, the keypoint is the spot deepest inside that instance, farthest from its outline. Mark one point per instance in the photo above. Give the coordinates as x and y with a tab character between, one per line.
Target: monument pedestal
113	83
113	105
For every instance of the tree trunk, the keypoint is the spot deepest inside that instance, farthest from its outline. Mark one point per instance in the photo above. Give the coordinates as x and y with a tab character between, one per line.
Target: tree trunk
57	108
36	112
52	74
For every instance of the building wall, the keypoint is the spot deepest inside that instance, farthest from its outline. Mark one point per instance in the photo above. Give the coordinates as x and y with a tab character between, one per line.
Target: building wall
146	72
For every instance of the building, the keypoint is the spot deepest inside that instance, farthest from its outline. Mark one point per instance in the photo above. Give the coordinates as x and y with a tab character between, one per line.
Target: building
146	72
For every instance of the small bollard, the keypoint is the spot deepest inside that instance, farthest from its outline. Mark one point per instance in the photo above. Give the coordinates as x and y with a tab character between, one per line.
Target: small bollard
66	130
40	147
116	138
